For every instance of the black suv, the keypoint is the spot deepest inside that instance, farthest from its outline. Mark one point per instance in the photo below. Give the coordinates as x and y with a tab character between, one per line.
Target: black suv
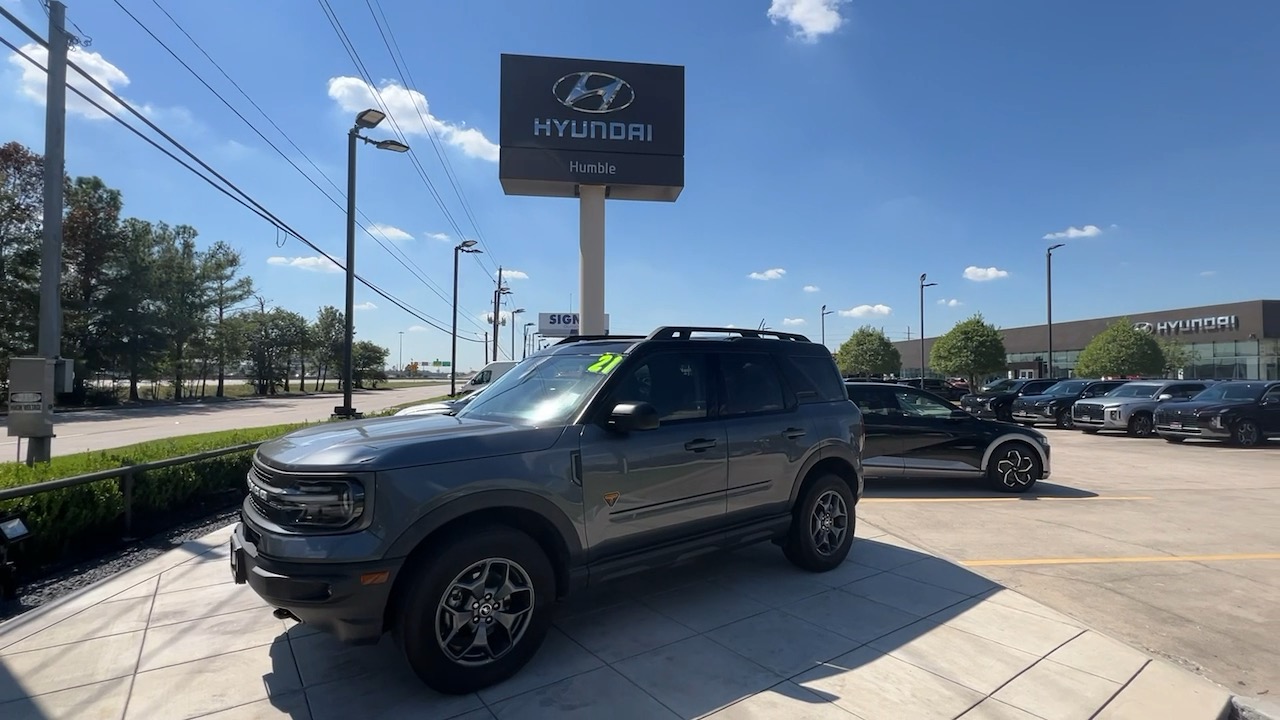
911	433
1054	404
937	386
1244	412
995	400
593	459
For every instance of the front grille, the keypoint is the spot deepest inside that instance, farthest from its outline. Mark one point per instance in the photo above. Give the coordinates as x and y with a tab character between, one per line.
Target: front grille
1087	411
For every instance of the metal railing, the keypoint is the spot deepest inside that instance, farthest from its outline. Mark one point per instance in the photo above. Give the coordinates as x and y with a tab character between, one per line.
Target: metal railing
125	474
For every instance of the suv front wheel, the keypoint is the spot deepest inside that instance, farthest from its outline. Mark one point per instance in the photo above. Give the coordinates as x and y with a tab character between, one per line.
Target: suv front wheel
822	526
475	610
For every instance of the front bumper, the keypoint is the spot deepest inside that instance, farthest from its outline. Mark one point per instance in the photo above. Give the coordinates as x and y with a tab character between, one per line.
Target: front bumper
1034	415
1108	422
348	600
1164	429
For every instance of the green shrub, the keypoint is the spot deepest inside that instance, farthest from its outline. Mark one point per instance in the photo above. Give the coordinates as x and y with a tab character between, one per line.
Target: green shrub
69	523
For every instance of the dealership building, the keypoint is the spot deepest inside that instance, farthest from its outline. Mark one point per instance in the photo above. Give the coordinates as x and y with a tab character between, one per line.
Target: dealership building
1234	340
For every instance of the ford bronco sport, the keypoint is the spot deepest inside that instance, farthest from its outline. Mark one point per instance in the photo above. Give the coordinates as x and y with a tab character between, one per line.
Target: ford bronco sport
595	458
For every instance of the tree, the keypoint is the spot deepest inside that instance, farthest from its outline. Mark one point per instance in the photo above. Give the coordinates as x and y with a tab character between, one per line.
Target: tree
868	352
1121	350
21	223
223	265
1177	356
129	304
369	363
327	336
91	237
972	349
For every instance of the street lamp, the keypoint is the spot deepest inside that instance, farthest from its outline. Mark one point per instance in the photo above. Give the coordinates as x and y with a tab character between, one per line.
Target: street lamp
825	313
1048	286
366	120
923	285
524	349
498	292
514	313
402	353
466	246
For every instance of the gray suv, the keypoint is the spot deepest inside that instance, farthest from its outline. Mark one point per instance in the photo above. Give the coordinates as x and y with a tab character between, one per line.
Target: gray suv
1132	406
593	459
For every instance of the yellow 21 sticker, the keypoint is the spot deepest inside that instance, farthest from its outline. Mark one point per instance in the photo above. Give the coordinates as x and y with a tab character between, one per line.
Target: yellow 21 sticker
605	364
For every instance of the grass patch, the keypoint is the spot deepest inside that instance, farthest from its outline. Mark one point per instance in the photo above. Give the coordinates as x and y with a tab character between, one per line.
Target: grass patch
72	521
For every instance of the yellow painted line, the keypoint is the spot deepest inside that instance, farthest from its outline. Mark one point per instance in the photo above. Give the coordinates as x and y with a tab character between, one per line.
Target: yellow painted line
1118	560
1027	498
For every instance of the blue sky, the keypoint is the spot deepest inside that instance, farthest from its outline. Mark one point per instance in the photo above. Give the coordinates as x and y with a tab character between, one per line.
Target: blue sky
835	149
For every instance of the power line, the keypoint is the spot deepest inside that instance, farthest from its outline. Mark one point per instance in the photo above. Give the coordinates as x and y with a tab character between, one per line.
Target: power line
247	201
410	266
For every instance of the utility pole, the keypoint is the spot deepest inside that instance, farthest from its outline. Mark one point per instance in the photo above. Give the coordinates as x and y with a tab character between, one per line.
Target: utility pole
486	344
497	297
40	449
1048	285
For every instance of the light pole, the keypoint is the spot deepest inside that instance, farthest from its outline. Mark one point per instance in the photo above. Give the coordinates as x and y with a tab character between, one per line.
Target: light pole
402	353
524	349
467	246
1048	288
498	292
514	313
364	121
923	364
825	313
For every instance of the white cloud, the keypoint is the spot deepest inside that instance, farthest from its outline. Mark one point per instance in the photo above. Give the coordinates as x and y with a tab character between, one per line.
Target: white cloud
511	274
952	302
809	19
34	82
980	274
792	321
770	274
353	95
313	263
1208	273
811	288
365	306
862	311
391	232
1073	232
418	328
442	237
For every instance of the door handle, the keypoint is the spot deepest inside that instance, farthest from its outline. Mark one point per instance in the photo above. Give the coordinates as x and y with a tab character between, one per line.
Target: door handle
699	445
793	433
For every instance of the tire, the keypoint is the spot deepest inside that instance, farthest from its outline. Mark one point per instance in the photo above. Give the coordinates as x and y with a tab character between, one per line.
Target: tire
422	624
1064	421
1246	433
1004	413
1142	425
820	536
1172	439
1014	467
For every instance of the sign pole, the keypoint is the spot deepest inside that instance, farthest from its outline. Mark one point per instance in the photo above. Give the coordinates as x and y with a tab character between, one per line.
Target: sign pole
591	199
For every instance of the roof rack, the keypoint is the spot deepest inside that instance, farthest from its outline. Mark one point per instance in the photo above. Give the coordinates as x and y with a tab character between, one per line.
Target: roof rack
684	332
582	338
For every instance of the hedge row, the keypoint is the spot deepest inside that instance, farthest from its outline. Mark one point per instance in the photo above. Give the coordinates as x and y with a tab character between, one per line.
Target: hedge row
72	523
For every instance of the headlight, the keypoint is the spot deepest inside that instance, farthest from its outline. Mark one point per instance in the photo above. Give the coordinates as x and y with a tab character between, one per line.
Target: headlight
328	504
1216	421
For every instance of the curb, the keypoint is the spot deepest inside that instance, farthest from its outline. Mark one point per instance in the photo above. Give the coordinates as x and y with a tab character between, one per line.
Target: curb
1250	708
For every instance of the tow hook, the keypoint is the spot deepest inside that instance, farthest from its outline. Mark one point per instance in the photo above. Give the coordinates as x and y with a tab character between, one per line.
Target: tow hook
282	614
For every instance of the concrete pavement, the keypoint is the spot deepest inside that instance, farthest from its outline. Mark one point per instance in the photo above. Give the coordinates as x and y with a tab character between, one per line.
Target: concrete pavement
894	633
113	427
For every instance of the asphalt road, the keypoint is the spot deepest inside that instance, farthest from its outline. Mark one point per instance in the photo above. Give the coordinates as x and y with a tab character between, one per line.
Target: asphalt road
86	430
1172	548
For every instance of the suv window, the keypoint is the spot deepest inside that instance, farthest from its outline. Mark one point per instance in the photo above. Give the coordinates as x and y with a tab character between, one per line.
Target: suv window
751	384
1272	394
814	378
1037	387
920	405
1185	391
674	383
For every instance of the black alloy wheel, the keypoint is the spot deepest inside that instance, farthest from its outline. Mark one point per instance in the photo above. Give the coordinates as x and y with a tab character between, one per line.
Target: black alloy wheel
1064	421
1142	425
1004	413
1014	467
822	526
1246	433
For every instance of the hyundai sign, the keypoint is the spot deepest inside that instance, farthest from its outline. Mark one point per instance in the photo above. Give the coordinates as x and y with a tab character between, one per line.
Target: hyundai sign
562	324
566	122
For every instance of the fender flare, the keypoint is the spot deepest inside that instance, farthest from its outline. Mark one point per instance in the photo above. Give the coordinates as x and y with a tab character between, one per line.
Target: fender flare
828	451
451	510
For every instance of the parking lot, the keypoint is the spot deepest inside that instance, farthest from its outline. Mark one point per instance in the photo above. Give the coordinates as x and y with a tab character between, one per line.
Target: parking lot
1171	548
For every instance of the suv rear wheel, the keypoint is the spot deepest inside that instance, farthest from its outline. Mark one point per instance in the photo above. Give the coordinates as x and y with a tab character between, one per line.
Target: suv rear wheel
476	610
822	526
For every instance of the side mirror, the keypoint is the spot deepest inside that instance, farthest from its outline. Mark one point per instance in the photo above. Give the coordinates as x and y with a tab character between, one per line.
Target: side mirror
1164	396
633	416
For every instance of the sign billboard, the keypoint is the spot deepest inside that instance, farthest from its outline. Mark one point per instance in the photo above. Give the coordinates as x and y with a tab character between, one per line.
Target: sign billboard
562	324
566	122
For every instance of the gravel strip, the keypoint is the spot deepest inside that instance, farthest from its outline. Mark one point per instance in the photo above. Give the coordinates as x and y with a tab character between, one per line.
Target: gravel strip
34	592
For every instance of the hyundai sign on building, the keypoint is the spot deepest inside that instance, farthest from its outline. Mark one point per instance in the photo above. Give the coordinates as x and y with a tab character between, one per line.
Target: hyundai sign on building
568	122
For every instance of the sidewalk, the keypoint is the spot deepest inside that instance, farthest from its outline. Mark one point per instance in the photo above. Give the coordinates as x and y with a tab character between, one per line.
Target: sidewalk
894	633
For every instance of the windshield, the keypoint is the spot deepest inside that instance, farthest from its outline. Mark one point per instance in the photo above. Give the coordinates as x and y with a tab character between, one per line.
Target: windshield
1133	390
999	385
545	390
1232	391
1067	387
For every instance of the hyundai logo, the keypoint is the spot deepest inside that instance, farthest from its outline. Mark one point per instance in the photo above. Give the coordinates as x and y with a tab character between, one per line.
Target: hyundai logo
593	92
1145	327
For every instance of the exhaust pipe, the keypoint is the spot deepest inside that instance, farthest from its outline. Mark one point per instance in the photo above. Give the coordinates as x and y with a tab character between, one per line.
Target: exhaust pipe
282	614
